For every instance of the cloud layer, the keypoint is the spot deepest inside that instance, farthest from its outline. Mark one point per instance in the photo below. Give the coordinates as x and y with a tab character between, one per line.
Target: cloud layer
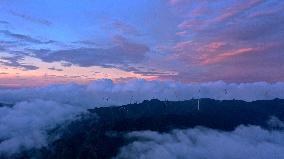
245	142
37	110
94	93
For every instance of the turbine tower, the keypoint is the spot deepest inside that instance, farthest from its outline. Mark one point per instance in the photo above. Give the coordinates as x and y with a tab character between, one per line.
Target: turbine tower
198	104
198	107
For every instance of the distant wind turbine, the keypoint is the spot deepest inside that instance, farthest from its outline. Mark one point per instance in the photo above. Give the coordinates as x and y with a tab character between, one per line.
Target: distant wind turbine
198	107
226	92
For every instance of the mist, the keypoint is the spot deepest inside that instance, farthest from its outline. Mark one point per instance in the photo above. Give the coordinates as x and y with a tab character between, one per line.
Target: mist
245	142
25	125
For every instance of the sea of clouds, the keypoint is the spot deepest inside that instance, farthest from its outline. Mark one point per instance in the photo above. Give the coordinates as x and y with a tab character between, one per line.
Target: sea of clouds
245	142
36	110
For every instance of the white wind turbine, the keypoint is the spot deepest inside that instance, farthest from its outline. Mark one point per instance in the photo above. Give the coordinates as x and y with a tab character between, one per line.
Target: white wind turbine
198	107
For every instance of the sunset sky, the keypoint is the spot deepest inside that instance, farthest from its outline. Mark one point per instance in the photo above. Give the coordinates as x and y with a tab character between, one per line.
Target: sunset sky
58	41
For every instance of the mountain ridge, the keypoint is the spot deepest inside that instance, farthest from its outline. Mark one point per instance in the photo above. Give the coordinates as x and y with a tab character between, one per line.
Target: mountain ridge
100	132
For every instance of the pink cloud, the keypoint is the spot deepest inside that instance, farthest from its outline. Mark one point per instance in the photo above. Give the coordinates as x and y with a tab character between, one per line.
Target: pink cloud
266	12
215	45
236	9
190	24
232	11
175	2
183	46
226	55
182	33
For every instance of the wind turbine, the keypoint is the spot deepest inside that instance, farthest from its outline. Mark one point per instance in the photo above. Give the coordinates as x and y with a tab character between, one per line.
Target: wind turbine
198	107
131	99
226	91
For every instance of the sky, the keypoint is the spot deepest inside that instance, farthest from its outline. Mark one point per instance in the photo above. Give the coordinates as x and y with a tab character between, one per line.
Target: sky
46	42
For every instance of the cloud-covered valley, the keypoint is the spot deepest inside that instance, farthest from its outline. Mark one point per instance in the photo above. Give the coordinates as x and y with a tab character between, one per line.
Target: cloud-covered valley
245	142
25	125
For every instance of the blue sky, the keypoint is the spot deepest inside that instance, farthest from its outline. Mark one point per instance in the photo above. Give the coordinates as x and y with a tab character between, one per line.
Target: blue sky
179	40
